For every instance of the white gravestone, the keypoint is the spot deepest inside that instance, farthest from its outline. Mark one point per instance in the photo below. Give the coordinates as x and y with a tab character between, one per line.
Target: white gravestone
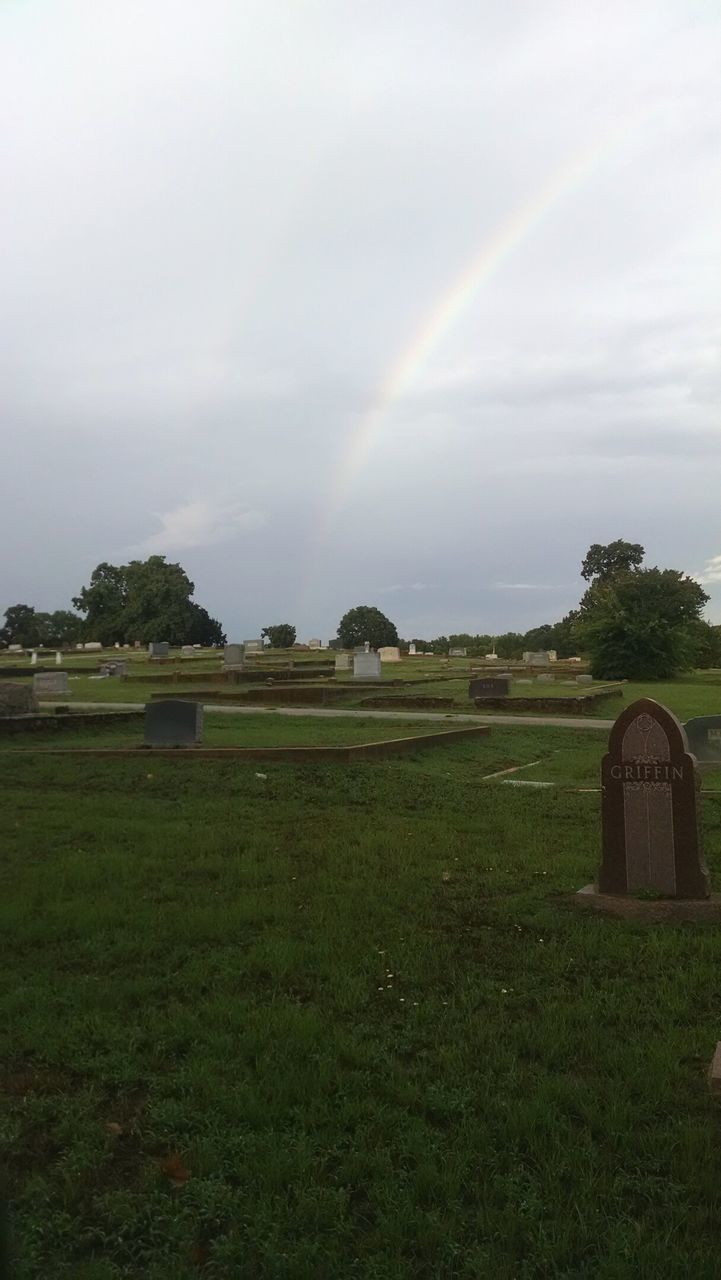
389	653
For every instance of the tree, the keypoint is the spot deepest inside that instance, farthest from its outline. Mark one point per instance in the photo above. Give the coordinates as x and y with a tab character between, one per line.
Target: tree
366	623
604	562
144	600
280	636
58	628
510	645
706	641
21	626
641	624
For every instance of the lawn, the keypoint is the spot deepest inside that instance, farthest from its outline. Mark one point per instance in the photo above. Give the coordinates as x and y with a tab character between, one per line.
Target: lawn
341	1022
249	730
692	695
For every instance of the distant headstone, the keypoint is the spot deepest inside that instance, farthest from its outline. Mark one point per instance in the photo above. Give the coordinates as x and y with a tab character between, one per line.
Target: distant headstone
233	655
80	646
366	646
490	687
389	653
584	679
552	655
315	644
15	648
412	650
159	649
137	644
366	666
456	653
650	828
572	659
342	662
116	667
51	684
58	659
91	645
538	659
704	738
491	657
173	722
17	698
253	646
187	651
34	658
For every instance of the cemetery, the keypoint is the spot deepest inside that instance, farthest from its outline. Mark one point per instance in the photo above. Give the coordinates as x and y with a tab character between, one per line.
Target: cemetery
369	961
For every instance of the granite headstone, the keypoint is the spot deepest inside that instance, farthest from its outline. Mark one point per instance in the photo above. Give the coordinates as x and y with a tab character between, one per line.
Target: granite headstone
366	666
159	649
17	698
51	684
649	809
173	722
704	738
490	687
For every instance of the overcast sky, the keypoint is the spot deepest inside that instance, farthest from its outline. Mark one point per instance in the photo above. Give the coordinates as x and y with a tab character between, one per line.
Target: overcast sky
335	303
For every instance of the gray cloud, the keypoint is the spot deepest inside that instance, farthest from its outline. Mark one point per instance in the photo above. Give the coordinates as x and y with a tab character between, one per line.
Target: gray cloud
230	228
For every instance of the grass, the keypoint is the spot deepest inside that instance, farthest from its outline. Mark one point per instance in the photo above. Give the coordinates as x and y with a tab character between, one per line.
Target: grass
249	730
341	1023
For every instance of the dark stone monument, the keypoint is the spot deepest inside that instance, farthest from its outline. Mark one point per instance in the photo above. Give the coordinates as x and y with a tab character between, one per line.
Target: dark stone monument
159	649
173	722
704	738
17	699
490	687
650	828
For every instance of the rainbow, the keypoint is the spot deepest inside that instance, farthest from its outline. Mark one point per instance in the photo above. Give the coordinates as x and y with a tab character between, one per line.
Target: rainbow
493	252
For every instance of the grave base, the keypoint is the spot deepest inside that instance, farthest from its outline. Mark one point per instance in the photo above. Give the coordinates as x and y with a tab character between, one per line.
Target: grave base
692	910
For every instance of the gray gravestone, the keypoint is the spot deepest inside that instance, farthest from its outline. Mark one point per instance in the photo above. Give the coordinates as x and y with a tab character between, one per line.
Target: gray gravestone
187	651
233	655
342	662
649	808
172	722
16	698
159	649
490	687
366	666
538	659
253	646
584	679
456	653
114	668
51	684
412	650
704	738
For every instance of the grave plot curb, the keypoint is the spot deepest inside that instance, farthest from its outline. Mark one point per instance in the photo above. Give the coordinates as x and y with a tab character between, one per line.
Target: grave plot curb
289	755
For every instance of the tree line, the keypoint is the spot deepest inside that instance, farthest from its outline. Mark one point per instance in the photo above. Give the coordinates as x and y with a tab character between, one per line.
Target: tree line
631	622
144	600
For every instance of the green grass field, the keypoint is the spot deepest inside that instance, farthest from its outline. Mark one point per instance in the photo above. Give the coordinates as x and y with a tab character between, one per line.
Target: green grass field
221	730
342	1022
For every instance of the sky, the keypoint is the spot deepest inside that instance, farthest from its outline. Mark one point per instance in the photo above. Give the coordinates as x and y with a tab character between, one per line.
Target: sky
336	303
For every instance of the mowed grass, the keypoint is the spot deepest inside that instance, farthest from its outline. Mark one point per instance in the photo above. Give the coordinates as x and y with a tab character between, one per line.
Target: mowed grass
252	729
342	1022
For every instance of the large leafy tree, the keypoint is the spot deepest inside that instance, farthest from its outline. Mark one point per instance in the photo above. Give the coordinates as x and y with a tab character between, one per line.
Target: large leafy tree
21	626
606	561
280	636
365	622
641	624
25	626
145	600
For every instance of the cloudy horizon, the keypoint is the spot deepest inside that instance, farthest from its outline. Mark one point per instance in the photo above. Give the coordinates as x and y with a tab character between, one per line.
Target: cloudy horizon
336	304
